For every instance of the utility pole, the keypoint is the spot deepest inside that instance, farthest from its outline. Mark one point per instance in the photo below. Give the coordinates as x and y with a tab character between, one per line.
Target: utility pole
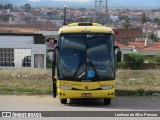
64	17
101	11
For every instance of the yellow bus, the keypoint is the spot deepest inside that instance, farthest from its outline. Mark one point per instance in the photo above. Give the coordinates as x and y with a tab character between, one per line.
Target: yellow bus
84	63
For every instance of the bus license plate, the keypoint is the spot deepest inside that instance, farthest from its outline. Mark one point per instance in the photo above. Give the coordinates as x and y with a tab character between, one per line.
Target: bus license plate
86	94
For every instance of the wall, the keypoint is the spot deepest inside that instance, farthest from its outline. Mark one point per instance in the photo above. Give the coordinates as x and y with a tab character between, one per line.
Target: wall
23	42
122	35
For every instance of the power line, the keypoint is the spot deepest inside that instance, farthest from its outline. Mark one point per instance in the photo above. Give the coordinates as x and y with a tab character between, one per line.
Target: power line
101	11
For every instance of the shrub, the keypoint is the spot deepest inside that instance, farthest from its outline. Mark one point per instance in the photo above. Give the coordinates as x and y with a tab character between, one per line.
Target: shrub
151	60
121	65
135	60
157	58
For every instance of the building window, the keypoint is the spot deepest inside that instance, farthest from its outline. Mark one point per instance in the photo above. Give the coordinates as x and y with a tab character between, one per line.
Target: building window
15	57
22	57
6	57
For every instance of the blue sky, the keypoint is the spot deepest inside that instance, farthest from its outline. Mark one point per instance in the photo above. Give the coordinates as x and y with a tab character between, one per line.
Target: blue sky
34	0
62	0
135	2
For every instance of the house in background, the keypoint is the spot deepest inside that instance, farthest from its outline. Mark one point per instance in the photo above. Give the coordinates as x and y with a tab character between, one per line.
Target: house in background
124	36
22	50
146	46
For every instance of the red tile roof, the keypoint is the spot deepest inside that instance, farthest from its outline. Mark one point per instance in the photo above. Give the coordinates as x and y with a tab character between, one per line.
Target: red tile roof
138	45
121	45
141	46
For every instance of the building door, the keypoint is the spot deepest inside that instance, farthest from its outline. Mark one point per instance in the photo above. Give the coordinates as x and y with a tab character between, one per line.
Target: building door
38	61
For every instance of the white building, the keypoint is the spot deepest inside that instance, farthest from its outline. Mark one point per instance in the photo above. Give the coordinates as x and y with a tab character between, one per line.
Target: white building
22	50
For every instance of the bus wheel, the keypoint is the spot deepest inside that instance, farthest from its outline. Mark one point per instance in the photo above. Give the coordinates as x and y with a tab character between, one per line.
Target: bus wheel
63	101
107	101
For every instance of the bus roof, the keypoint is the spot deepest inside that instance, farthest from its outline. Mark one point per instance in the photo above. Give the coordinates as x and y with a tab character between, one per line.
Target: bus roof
85	28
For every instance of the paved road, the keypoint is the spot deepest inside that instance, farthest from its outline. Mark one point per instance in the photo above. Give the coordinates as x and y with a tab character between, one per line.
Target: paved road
48	103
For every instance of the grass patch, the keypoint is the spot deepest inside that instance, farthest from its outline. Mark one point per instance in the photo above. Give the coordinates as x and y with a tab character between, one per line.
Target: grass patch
12	90
37	81
147	80
33	81
137	82
139	92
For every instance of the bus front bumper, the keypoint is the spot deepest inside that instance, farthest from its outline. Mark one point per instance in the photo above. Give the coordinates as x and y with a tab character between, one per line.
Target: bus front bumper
73	94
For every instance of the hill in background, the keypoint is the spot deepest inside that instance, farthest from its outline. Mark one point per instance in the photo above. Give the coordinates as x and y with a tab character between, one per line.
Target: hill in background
139	4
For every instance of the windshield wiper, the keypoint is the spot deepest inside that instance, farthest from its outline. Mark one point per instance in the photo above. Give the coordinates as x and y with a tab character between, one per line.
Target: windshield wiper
96	73
79	66
92	65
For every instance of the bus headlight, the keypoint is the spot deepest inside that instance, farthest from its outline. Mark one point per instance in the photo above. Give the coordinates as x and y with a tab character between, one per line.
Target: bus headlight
65	87
107	87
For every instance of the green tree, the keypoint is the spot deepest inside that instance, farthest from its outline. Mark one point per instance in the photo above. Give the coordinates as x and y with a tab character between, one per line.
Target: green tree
1	6
6	6
144	19
10	6
154	37
157	20
126	23
27	7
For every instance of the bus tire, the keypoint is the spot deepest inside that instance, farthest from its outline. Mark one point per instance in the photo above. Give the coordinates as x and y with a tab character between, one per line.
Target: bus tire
63	101
107	101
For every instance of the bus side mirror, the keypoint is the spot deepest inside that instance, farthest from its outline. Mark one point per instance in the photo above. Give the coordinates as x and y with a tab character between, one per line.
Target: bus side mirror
119	56
55	52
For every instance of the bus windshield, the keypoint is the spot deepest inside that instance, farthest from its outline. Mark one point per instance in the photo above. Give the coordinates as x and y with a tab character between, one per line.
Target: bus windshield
87	56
